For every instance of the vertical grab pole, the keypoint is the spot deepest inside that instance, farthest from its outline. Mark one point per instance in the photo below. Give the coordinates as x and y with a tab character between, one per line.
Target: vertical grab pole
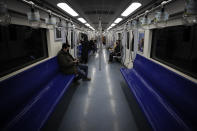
100	43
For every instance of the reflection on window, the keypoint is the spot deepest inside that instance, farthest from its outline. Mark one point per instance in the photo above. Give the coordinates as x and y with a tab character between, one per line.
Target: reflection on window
176	47
21	46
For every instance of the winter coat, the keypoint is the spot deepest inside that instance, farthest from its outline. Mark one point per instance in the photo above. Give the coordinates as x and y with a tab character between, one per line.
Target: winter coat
66	64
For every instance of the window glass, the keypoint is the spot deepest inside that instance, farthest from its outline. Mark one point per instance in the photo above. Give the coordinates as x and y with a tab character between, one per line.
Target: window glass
176	47
21	46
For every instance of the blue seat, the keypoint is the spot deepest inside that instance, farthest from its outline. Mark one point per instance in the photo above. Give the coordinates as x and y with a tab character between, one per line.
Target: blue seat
167	99
28	98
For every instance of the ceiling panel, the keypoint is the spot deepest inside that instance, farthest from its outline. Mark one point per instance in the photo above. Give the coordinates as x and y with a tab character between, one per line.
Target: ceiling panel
91	10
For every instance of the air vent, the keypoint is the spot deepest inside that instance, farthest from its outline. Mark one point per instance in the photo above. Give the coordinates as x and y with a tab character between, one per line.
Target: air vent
100	12
103	23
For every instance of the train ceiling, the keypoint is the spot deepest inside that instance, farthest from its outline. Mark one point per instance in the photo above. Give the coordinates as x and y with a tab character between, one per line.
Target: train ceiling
108	10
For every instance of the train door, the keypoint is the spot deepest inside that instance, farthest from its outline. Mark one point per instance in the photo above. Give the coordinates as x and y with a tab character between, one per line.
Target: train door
127	48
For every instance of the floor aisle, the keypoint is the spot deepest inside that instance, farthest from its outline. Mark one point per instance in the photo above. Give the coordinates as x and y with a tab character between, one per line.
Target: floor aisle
99	105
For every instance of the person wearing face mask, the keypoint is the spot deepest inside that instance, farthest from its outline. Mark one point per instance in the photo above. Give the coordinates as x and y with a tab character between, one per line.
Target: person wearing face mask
69	65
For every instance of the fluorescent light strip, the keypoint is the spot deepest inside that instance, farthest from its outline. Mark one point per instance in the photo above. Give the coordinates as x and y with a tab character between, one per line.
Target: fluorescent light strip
82	20
112	25
91	28
67	8
118	20
109	28
134	6
87	25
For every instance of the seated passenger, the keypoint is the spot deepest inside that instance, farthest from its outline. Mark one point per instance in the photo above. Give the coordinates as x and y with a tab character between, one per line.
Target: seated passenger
70	65
112	47
115	51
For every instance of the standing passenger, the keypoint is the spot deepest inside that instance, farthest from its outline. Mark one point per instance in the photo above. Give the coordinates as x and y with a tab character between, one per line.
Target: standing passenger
84	53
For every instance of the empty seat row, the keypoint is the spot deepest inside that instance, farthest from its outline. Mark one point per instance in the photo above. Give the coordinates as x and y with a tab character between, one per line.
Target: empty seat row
167	99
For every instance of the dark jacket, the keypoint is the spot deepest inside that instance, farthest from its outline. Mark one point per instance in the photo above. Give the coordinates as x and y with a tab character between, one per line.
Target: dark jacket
66	64
84	48
117	49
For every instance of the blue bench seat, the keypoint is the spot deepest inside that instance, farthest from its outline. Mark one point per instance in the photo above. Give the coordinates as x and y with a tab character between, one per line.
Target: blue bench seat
28	99
167	99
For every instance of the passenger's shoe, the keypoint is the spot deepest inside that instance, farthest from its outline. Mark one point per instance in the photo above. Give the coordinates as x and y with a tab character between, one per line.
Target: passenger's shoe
76	82
87	79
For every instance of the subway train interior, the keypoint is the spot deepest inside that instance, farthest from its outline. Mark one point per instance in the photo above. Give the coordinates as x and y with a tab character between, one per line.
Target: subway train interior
98	65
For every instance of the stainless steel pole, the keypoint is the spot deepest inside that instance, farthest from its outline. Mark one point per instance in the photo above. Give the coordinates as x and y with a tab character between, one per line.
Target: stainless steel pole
100	43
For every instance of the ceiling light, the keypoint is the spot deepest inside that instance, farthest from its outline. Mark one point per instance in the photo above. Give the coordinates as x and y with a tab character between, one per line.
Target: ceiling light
117	20
91	28
134	6
112	25
67	8
87	25
82	20
109	28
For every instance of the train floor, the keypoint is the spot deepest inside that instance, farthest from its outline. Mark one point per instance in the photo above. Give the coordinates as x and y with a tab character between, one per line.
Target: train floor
98	105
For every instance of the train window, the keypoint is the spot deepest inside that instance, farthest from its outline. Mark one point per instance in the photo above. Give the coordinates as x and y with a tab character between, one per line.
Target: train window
12	33
1	35
176	47
128	35
21	46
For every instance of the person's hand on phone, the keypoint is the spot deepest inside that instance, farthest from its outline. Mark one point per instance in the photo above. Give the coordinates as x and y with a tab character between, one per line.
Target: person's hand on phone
75	61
